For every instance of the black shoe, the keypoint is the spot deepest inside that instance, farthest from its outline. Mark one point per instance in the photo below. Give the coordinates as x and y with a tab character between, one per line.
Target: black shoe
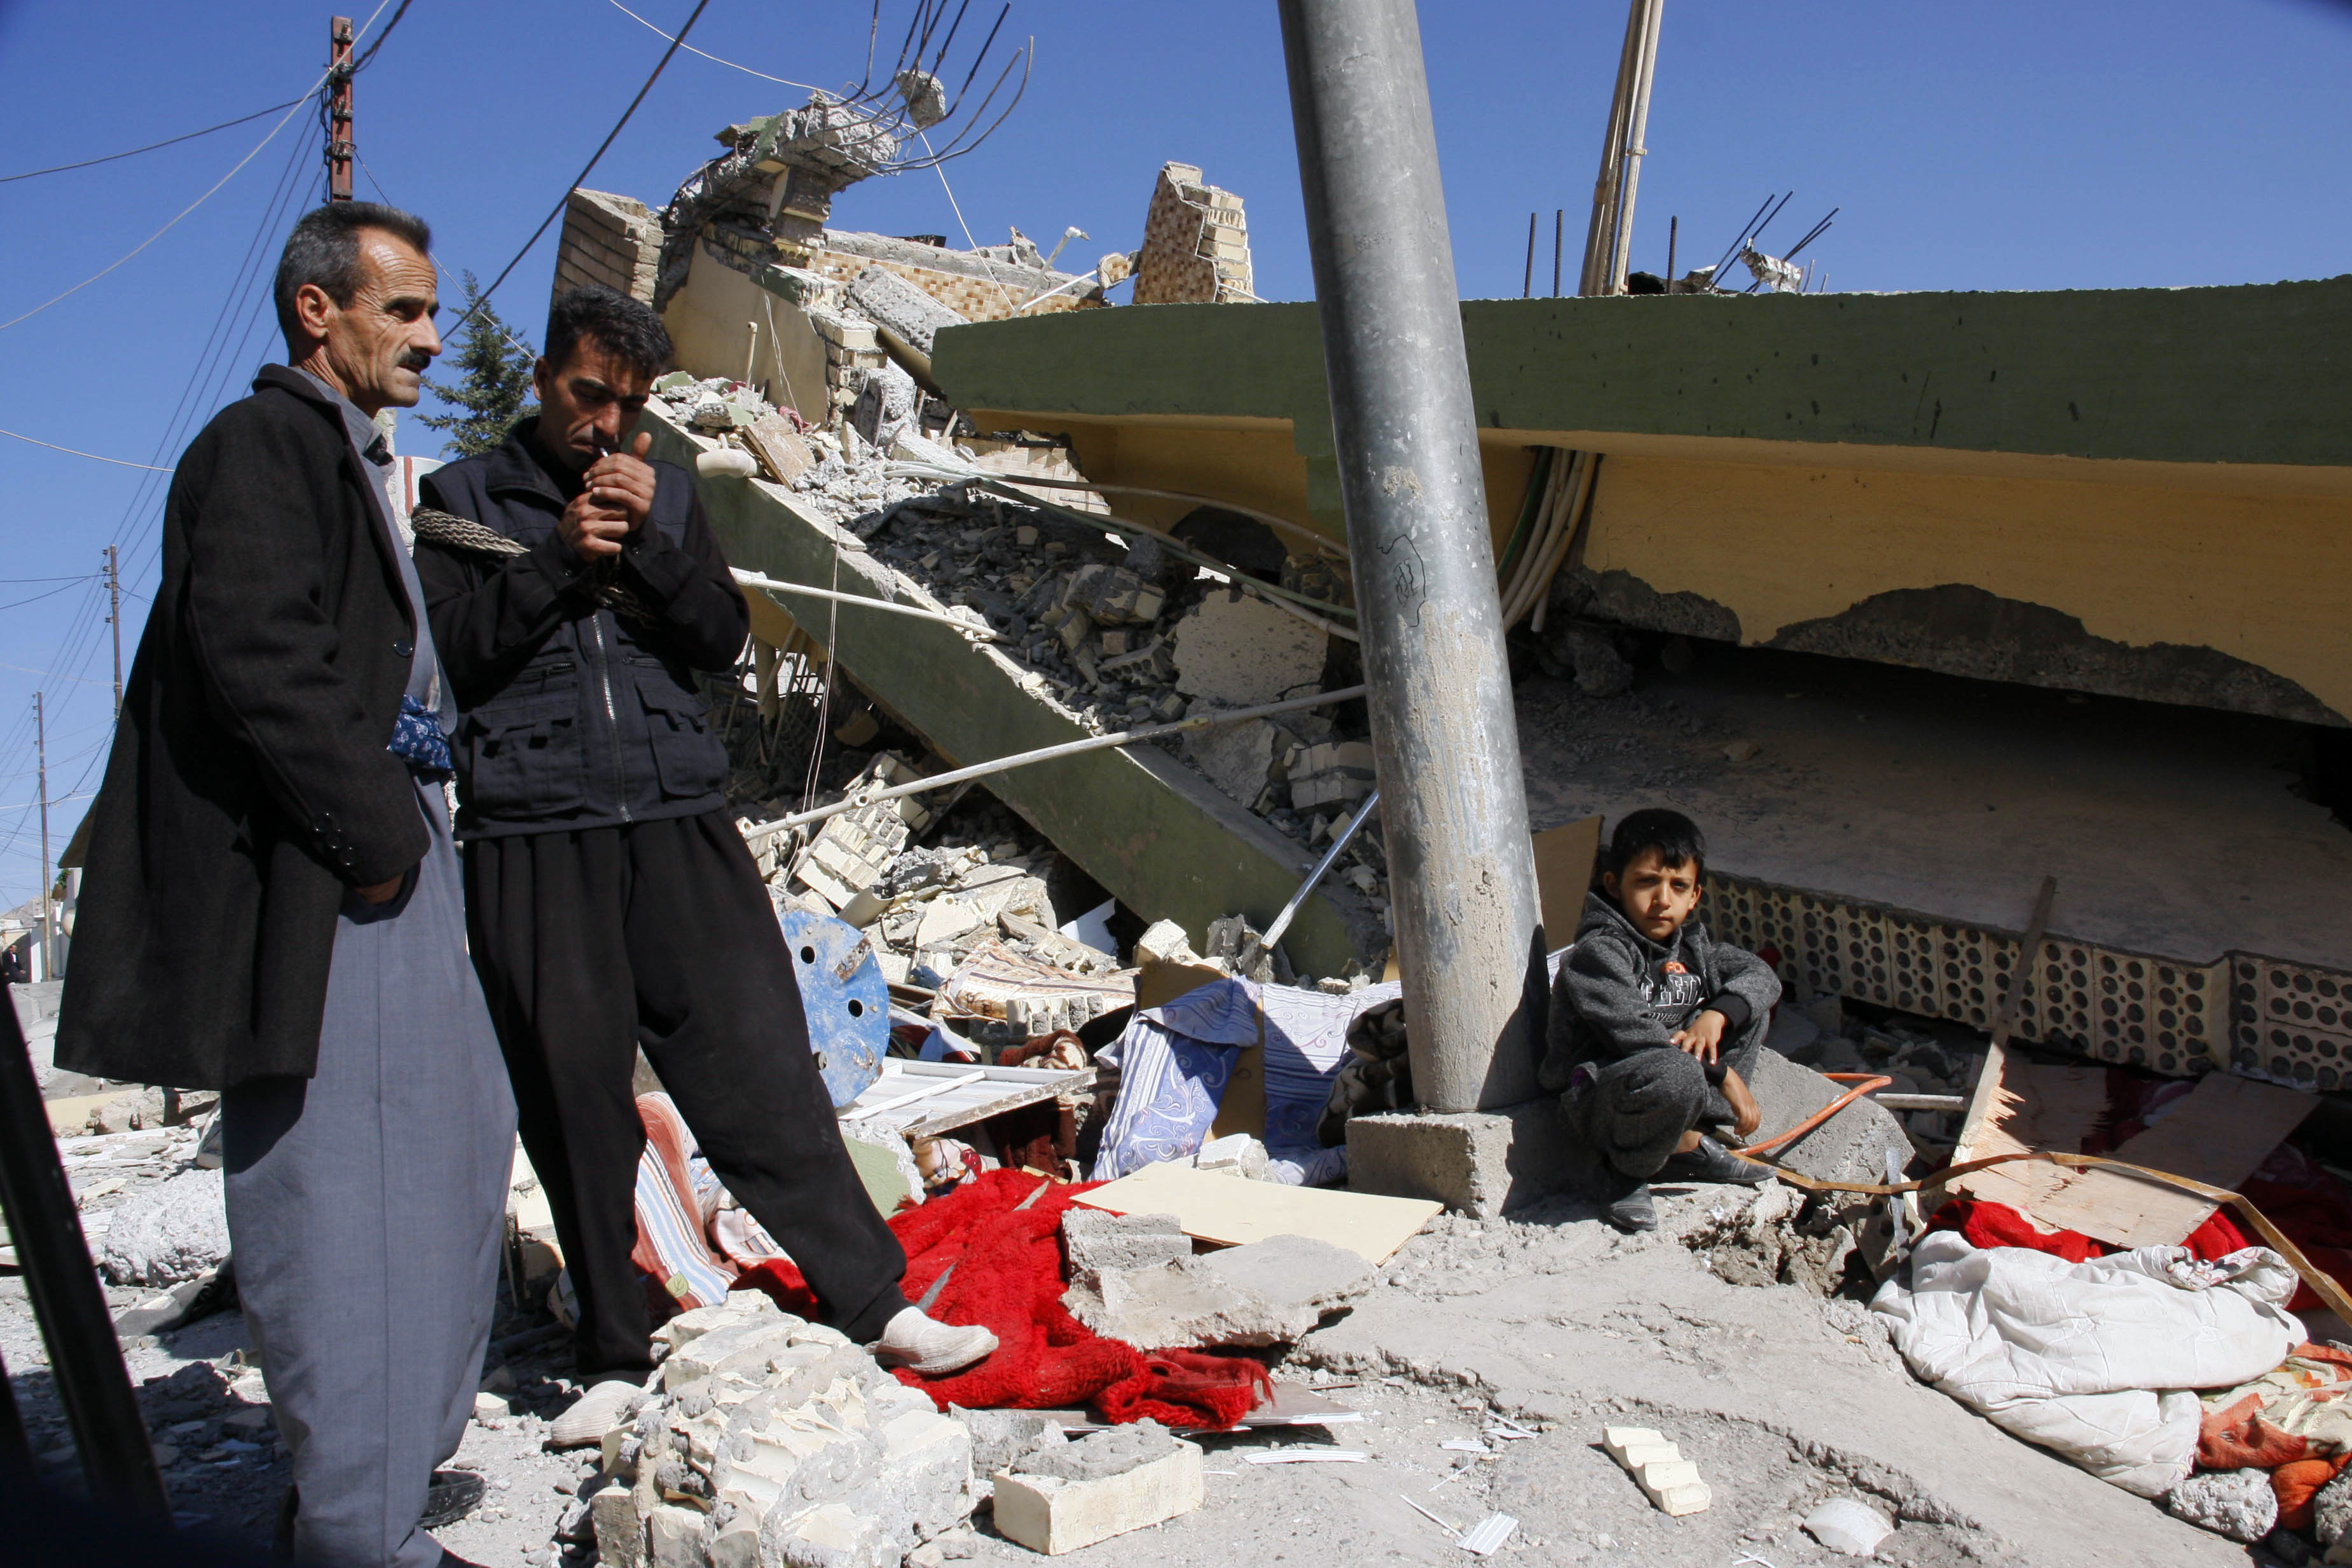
1633	1211
1711	1161
453	1495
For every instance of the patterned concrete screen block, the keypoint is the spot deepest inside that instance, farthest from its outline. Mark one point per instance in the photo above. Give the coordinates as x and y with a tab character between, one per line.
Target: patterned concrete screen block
2288	1023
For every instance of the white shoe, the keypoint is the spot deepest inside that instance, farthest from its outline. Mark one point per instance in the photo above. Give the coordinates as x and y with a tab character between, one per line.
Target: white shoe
593	1415
914	1341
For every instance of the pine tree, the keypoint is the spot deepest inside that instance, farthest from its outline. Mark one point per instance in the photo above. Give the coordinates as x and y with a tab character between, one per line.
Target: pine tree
495	393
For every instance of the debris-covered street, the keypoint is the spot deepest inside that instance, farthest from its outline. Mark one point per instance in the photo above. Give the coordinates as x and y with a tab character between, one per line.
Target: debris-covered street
1176	904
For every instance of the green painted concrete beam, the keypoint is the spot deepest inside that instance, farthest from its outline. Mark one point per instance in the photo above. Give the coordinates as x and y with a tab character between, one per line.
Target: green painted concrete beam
1160	838
2249	373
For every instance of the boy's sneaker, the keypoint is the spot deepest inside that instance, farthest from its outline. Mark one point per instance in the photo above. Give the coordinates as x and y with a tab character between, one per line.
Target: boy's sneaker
1711	1161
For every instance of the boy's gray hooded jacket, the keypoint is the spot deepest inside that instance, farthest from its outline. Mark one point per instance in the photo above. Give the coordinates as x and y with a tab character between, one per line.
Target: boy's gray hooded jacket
1618	993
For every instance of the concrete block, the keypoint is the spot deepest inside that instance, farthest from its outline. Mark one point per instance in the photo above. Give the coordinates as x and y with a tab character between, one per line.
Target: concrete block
620	1528
1851	1146
736	1542
674	1537
1292	1271
832	1536
1476	1162
1051	1515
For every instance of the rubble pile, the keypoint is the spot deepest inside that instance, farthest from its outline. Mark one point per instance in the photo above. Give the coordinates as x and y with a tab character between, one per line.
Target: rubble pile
1921	1055
764	1439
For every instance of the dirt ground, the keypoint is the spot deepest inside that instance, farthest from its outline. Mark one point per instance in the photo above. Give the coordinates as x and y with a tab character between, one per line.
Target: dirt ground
1547	1319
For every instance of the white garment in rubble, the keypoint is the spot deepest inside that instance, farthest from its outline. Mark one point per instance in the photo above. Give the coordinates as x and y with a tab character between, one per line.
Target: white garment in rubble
2097	1360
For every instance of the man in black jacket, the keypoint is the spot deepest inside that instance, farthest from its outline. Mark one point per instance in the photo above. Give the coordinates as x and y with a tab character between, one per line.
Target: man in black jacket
271	905
610	900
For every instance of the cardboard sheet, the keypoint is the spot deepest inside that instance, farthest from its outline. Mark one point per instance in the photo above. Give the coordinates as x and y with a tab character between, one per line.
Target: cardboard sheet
2218	1135
1231	1211
1565	857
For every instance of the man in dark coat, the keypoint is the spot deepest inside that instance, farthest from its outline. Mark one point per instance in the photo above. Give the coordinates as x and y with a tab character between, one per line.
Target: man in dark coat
271	905
610	899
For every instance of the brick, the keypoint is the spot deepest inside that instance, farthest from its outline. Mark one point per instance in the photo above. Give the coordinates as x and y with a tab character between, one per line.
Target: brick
1053	1516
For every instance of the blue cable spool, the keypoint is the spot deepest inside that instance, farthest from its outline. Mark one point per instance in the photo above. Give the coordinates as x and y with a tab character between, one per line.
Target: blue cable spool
846	998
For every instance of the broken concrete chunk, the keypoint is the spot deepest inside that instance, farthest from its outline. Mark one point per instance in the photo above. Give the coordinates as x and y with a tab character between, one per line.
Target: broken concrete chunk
1301	1272
1241	651
1235	1154
1165	943
1855	1529
736	1347
1237	758
173	1231
1851	1146
620	1529
1112	595
1093	1241
1054	1514
674	1537
2240	1504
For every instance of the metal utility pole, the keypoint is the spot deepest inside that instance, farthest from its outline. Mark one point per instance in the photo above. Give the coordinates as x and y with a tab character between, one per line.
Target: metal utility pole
49	917
339	113
1443	736
1609	238
114	617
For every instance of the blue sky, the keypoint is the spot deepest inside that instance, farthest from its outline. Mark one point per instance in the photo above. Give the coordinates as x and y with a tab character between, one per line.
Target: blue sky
2000	145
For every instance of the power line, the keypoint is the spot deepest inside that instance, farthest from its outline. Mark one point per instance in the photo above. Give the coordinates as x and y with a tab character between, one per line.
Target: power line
151	146
93	457
714	59
676	44
201	200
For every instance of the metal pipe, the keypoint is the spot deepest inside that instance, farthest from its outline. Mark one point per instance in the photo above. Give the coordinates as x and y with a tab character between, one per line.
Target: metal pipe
1405	427
864	602
1313	879
85	1360
1050	754
1636	148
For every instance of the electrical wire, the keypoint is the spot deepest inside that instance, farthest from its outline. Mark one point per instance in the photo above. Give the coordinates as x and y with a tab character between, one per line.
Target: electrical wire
93	457
714	59
676	44
151	146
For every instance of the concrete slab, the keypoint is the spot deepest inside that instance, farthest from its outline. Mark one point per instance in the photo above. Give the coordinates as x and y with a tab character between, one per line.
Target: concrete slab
1851	1146
2171	831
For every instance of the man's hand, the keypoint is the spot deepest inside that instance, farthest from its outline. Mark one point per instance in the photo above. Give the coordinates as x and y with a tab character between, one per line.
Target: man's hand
623	482
1746	1115
617	493
1703	1039
383	892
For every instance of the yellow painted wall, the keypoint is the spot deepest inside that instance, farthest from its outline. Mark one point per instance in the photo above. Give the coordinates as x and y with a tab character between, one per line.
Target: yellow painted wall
2257	577
707	319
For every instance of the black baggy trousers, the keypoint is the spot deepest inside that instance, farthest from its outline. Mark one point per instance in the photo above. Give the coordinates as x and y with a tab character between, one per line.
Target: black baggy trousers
592	943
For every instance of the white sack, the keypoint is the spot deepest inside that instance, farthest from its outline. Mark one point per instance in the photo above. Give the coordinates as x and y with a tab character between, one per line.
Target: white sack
2093	1360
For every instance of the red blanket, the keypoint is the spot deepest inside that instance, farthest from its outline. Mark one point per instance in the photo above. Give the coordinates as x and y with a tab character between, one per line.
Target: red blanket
1008	1277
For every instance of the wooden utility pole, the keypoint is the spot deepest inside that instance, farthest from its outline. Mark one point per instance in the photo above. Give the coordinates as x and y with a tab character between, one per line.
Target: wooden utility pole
339	114
48	919
114	617
1610	236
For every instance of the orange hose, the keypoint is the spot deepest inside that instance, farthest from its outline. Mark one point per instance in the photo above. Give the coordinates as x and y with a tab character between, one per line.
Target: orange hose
1862	1084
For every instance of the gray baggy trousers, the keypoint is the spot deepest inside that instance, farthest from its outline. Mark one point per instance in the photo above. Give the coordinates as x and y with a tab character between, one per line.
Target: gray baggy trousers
366	1209
1634	1111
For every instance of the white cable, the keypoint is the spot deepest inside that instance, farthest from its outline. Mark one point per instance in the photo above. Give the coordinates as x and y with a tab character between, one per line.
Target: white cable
714	59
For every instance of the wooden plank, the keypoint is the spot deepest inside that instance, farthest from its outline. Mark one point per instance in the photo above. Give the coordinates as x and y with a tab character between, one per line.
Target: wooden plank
2218	1135
2033	1107
1231	1211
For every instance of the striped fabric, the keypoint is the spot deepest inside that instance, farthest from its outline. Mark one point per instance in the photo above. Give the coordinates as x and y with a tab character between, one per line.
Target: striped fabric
670	1247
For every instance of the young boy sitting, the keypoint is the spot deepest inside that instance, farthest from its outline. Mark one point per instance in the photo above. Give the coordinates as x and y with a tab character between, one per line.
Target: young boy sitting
1654	1026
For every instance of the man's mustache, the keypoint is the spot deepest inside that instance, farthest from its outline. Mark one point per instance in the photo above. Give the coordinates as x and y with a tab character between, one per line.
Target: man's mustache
415	359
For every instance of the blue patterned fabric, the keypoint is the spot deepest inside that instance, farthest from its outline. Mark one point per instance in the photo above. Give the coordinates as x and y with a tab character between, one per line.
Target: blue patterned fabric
417	740
1175	1060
